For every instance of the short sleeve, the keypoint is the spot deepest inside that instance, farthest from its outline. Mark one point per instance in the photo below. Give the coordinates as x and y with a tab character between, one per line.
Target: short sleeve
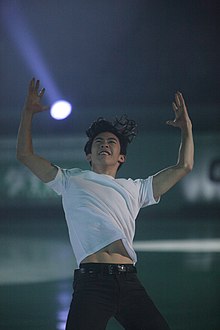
59	182
146	196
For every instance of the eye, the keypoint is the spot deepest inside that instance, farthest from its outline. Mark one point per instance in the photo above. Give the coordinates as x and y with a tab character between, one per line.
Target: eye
97	140
112	141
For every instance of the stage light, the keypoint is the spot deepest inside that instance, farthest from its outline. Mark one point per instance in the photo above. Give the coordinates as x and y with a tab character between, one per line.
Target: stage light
60	109
20	32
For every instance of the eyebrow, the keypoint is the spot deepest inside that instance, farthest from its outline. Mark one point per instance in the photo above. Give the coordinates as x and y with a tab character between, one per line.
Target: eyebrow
101	138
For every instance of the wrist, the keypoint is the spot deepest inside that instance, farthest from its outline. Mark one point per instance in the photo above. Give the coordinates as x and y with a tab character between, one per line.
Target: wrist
187	127
26	112
26	118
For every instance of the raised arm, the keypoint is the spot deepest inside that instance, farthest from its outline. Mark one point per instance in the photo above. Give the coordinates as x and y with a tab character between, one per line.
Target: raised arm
167	178
41	167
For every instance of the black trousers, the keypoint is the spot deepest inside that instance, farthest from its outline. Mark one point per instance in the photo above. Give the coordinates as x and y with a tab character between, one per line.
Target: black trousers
99	296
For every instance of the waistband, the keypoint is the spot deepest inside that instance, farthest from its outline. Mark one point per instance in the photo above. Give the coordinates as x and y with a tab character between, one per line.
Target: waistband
95	268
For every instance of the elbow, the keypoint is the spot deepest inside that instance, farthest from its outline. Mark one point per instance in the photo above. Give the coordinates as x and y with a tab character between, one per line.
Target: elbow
22	158
185	168
188	167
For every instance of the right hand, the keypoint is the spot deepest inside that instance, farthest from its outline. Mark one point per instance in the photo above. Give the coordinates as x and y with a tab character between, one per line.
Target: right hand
182	119
33	100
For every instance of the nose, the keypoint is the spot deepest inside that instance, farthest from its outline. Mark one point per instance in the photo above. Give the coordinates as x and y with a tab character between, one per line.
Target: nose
104	147
104	144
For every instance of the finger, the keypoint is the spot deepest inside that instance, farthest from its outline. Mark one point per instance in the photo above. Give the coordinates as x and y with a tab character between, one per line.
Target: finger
41	93
181	98
31	85
37	85
177	99
175	108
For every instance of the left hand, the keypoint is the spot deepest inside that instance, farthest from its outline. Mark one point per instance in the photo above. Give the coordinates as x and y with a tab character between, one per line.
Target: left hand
182	119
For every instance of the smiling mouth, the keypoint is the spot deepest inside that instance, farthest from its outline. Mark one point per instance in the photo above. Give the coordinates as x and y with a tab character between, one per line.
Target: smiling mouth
107	153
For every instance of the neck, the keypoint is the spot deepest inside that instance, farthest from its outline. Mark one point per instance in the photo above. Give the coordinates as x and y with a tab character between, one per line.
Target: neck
105	170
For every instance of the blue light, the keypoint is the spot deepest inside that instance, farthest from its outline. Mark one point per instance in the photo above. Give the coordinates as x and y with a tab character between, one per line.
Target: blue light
60	109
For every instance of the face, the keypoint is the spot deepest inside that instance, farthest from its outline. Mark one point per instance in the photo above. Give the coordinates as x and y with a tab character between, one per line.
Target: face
105	151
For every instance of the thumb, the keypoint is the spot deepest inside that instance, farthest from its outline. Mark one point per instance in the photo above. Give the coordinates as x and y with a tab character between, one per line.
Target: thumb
170	123
45	107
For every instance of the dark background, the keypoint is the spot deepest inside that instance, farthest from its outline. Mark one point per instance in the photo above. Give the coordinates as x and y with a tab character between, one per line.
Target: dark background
111	57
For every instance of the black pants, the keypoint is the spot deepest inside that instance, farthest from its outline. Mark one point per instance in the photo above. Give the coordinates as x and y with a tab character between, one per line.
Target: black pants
98	296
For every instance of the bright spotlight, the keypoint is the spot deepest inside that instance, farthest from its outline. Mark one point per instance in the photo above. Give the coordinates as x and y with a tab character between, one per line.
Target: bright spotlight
60	110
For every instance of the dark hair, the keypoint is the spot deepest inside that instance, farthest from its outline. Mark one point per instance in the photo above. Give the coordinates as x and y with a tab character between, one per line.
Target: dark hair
124	128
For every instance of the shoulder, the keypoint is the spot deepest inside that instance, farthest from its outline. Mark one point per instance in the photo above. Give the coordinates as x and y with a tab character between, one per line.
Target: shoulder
64	174
72	171
63	178
127	183
134	182
68	172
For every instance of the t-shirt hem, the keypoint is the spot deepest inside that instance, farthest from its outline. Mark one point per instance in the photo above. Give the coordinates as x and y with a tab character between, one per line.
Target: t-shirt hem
99	247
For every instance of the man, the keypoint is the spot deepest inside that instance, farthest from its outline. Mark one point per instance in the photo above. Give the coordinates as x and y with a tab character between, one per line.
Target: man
101	210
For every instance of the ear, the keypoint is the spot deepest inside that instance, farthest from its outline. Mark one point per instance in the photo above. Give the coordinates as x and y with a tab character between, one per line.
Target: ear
88	157
122	159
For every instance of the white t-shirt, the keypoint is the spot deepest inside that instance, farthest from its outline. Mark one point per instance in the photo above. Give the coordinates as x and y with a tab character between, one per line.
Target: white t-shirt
100	209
